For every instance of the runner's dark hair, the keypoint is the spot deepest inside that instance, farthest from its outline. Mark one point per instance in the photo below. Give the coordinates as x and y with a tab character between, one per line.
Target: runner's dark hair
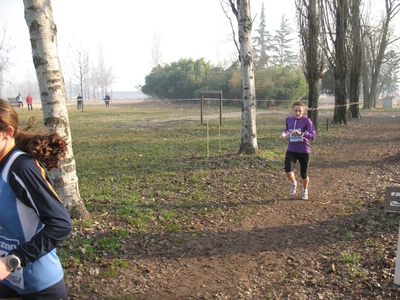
47	148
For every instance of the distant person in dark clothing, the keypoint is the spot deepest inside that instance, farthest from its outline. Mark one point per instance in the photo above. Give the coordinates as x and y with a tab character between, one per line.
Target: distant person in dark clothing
79	102
107	100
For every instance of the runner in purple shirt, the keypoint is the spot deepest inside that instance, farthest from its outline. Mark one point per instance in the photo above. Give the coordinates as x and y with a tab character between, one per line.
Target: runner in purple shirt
300	129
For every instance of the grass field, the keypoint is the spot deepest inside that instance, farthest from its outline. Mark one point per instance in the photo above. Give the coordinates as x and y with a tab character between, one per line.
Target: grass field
125	150
135	152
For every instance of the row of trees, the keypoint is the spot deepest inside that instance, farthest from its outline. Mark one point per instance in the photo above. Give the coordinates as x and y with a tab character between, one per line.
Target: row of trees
338	38
278	74
186	79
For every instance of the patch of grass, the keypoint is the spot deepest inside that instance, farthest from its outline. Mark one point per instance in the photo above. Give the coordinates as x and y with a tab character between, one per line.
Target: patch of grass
392	223
108	273
84	223
248	211
110	244
372	243
353	258
269	295
348	235
356	203
170	220
199	176
352	261
123	233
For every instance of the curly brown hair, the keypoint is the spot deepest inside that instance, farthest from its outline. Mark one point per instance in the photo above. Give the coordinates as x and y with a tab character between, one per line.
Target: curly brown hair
48	149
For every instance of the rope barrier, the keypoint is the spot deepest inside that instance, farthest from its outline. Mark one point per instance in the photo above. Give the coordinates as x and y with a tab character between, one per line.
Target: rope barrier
280	101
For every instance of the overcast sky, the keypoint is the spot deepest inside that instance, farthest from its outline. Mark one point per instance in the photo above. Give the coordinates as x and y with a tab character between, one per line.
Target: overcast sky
126	28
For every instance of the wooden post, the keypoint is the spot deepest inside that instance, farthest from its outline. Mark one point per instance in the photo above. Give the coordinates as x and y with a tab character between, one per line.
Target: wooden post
220	108
201	108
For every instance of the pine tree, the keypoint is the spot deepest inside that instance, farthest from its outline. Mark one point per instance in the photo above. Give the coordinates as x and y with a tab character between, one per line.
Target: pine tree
282	49
262	43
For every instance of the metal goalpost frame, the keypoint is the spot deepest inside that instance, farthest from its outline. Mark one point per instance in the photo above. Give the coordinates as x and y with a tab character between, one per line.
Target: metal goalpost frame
220	103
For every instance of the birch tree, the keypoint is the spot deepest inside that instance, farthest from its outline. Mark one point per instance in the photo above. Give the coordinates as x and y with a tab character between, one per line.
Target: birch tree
43	35
242	12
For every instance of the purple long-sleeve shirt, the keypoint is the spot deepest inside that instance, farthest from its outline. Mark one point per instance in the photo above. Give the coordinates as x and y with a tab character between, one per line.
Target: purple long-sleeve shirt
306	127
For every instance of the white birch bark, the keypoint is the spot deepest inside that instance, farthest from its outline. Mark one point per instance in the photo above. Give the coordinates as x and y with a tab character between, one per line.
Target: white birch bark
242	12
43	35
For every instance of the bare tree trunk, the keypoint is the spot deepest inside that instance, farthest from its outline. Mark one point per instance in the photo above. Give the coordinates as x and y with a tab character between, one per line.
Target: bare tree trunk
313	96
340	111
311	54
364	72
340	116
354	94
242	12
355	64
43	34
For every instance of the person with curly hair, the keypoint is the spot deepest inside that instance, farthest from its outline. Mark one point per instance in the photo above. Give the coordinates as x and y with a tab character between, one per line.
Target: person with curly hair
33	219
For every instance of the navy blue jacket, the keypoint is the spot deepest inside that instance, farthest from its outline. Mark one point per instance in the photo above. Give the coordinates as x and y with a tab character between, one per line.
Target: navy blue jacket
33	221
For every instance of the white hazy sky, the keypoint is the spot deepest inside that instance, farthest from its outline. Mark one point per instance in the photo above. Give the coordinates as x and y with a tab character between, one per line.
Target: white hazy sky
126	28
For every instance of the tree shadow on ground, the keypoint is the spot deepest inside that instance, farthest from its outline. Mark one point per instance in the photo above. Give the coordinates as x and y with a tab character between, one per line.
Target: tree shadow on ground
269	239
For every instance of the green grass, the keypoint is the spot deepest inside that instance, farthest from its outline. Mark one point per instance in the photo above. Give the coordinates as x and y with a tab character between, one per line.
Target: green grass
117	155
352	261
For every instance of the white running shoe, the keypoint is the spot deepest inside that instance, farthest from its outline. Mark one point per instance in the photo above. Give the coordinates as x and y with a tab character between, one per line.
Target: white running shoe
304	194
293	189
